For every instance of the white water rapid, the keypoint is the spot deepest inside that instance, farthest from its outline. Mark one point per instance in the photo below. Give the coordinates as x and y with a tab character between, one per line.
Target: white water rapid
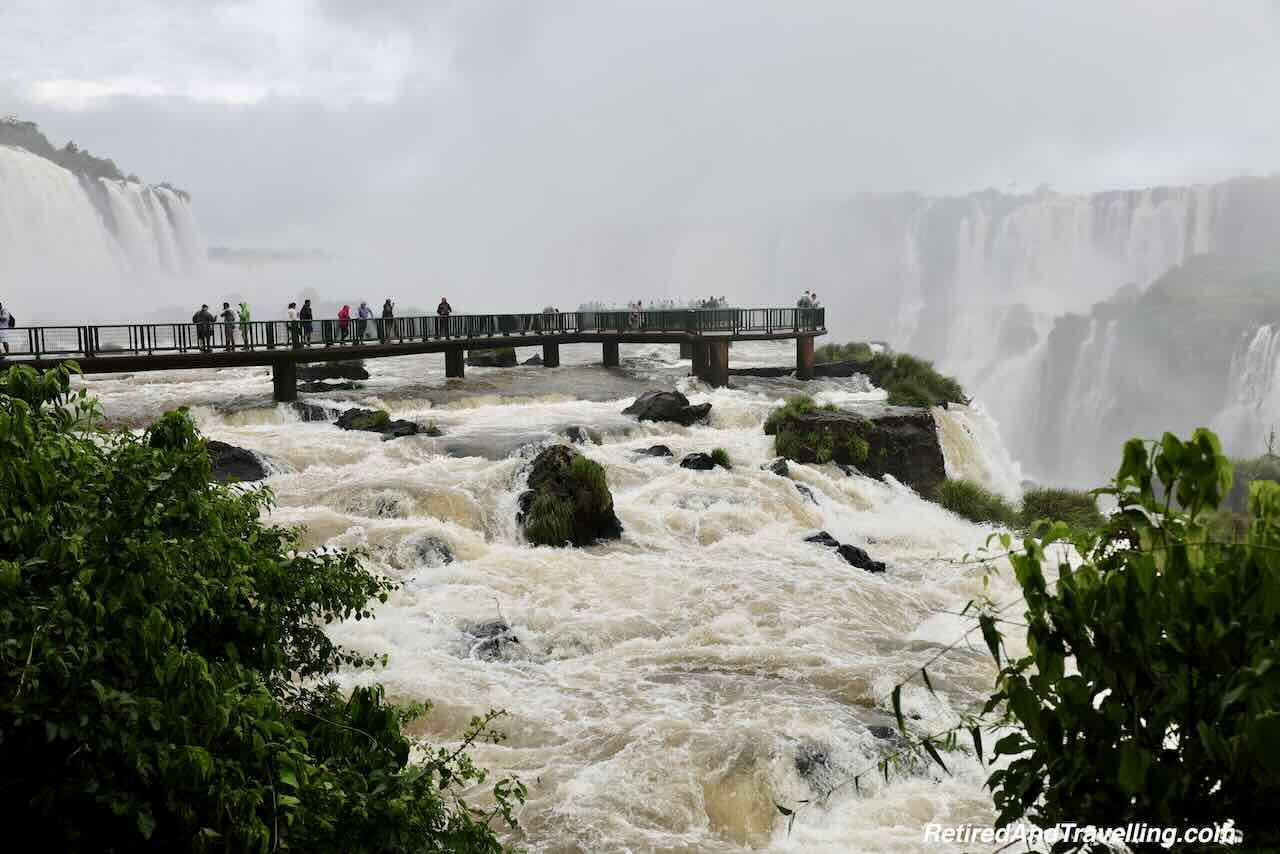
73	248
670	687
1252	409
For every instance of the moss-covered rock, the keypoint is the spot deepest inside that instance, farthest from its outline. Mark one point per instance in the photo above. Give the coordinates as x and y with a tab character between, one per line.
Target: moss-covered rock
879	440
374	420
568	501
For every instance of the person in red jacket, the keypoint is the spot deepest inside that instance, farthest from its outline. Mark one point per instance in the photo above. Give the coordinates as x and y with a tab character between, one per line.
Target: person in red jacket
344	322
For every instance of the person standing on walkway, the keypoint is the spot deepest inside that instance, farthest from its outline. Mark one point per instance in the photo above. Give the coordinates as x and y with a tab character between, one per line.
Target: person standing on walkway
344	322
204	328
306	316
244	323
7	322
443	310
295	336
228	326
388	319
362	325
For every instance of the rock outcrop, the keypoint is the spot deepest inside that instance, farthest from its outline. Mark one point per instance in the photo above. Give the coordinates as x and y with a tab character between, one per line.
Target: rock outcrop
568	501
778	466
320	387
489	641
336	370
502	357
698	462
582	435
232	464
376	421
535	359
852	555
896	440
656	451
667	406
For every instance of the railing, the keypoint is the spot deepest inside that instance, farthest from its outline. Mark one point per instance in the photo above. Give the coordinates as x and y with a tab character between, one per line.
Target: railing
148	338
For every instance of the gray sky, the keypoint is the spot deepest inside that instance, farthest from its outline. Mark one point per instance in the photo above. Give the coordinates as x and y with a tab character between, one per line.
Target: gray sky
463	137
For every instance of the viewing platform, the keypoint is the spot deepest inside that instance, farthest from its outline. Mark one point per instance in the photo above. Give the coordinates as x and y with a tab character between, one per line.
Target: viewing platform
704	336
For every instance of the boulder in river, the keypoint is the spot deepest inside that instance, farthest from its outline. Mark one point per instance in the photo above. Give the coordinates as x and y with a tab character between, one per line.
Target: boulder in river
319	387
376	421
335	370
535	359
698	462
822	538
582	435
656	451
667	406
778	466
232	464
852	555
490	640
806	492
568	501
501	357
897	440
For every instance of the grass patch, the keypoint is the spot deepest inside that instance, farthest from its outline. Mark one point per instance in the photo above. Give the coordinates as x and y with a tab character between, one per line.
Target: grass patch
853	351
1075	507
1245	472
592	489
550	521
794	405
908	380
975	502
721	458
376	420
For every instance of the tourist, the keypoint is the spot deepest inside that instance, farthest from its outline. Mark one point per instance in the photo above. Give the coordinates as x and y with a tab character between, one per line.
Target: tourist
306	316
295	337
813	301
204	328
7	322
387	321
344	322
245	325
804	301
228	326
362	324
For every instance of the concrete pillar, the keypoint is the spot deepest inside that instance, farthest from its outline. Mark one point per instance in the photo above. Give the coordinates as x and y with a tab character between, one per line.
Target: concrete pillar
699	367
611	354
686	349
717	364
284	380
550	355
804	357
454	362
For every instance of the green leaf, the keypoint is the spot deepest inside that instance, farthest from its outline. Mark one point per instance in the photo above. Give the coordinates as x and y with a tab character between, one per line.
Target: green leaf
146	824
933	752
976	733
924	674
896	697
1132	773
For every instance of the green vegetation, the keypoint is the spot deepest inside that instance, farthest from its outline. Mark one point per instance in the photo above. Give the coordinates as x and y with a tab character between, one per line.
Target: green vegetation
373	420
1074	506
27	135
721	458
975	502
908	380
568	502
813	443
167	678
1169	709
793	405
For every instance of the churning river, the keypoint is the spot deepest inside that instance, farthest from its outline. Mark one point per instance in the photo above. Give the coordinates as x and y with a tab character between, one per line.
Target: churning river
668	688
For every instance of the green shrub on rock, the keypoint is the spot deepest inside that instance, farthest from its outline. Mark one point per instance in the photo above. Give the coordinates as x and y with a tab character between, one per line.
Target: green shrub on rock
721	458
793	405
1075	507
165	668
975	502
568	501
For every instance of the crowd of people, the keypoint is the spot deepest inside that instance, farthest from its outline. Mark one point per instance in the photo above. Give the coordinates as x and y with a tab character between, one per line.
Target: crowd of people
300	324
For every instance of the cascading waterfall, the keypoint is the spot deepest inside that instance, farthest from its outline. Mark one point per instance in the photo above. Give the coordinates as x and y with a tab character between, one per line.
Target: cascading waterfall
1252	408
72	247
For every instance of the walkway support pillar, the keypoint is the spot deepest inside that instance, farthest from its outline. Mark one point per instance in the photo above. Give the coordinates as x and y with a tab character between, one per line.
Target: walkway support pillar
804	357
454	362
699	366
686	349
611	354
550	355
284	380
717	364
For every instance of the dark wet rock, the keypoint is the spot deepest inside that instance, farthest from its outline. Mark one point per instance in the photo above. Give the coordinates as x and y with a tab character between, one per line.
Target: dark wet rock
312	412
318	387
855	556
761	372
376	421
778	467
421	551
698	462
822	538
813	762
491	640
535	359
568	501
901	441
502	357
849	471
582	436
335	370
886	733
656	451
232	464
667	406
806	492
841	370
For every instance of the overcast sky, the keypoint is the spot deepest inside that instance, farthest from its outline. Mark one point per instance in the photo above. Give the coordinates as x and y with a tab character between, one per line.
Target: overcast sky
443	124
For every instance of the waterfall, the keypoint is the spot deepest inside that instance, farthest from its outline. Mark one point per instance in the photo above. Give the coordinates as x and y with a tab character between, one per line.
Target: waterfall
972	450
72	248
1252	409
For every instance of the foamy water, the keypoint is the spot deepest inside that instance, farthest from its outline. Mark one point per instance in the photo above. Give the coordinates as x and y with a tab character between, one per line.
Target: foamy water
670	687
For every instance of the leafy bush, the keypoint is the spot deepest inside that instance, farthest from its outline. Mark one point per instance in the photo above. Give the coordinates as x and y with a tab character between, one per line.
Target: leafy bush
975	502
853	351
908	380
568	501
165	669
1170	713
793	405
1245	472
721	458
1073	506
